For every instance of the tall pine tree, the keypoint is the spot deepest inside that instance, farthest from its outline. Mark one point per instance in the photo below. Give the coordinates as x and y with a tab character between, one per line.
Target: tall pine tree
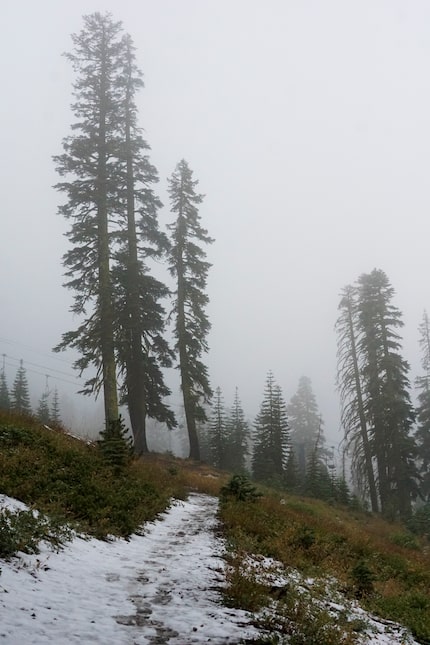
376	409
189	267
55	416
271	435
423	409
89	166
218	442
238	435
351	387
42	412
4	390
141	348
19	395
388	407
114	231
305	425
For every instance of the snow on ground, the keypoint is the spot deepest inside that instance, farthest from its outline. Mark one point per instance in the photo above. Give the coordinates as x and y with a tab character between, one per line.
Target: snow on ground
162	587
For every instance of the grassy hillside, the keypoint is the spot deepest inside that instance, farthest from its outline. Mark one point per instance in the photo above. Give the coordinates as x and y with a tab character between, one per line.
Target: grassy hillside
350	553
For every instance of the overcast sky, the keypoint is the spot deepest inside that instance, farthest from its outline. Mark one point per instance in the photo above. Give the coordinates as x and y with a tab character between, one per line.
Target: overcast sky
307	124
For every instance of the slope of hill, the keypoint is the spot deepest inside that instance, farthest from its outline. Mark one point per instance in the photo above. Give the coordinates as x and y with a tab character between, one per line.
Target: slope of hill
299	566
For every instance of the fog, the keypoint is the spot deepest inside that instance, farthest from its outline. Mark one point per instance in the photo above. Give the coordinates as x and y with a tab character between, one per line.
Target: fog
307	124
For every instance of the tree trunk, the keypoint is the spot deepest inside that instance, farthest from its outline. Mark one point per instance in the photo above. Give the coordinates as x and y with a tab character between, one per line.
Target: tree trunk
362	417
136	397
184	367
105	287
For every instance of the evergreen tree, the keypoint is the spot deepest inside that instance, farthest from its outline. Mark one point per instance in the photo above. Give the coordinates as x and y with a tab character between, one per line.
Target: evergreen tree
89	165
388	408
317	481
141	348
4	391
19	395
42	412
305	425
341	491
218	442
116	445
189	267
423	410
271	438
351	387
54	416
238	434
114	231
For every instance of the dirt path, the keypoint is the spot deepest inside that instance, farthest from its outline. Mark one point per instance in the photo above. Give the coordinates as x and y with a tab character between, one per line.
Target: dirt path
162	587
176	592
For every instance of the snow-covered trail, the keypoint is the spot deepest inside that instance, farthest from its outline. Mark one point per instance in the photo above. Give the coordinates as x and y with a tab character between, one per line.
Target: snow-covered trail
163	587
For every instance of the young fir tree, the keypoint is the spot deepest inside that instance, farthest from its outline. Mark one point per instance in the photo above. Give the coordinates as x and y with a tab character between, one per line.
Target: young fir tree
238	434
389	412
115	445
141	349
54	414
43	412
189	267
4	391
305	425
271	435
317	481
89	166
19	395
423	410
351	387
218	440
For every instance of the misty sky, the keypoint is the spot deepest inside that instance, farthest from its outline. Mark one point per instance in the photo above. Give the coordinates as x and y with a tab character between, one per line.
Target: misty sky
307	124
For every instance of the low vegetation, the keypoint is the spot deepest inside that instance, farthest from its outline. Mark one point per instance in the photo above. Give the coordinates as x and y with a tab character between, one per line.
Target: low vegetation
346	554
357	554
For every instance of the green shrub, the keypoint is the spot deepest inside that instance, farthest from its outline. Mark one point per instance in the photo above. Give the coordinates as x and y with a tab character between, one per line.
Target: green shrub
406	540
362	578
419	523
23	531
241	489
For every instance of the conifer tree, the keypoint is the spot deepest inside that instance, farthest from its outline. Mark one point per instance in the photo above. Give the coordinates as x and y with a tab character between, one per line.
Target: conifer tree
351	387
305	425
4	391
218	441
19	395
271	435
189	267
89	166
374	386
388	407
141	349
423	410
42	412
238	434
54	416
116	446
113	209
317	481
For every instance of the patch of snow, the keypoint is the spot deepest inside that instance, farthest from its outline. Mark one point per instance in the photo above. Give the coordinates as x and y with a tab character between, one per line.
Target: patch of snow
272	573
162	587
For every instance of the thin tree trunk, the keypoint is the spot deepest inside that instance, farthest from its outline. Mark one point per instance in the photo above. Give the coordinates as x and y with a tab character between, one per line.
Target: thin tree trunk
183	356
105	287
135	367
362	417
